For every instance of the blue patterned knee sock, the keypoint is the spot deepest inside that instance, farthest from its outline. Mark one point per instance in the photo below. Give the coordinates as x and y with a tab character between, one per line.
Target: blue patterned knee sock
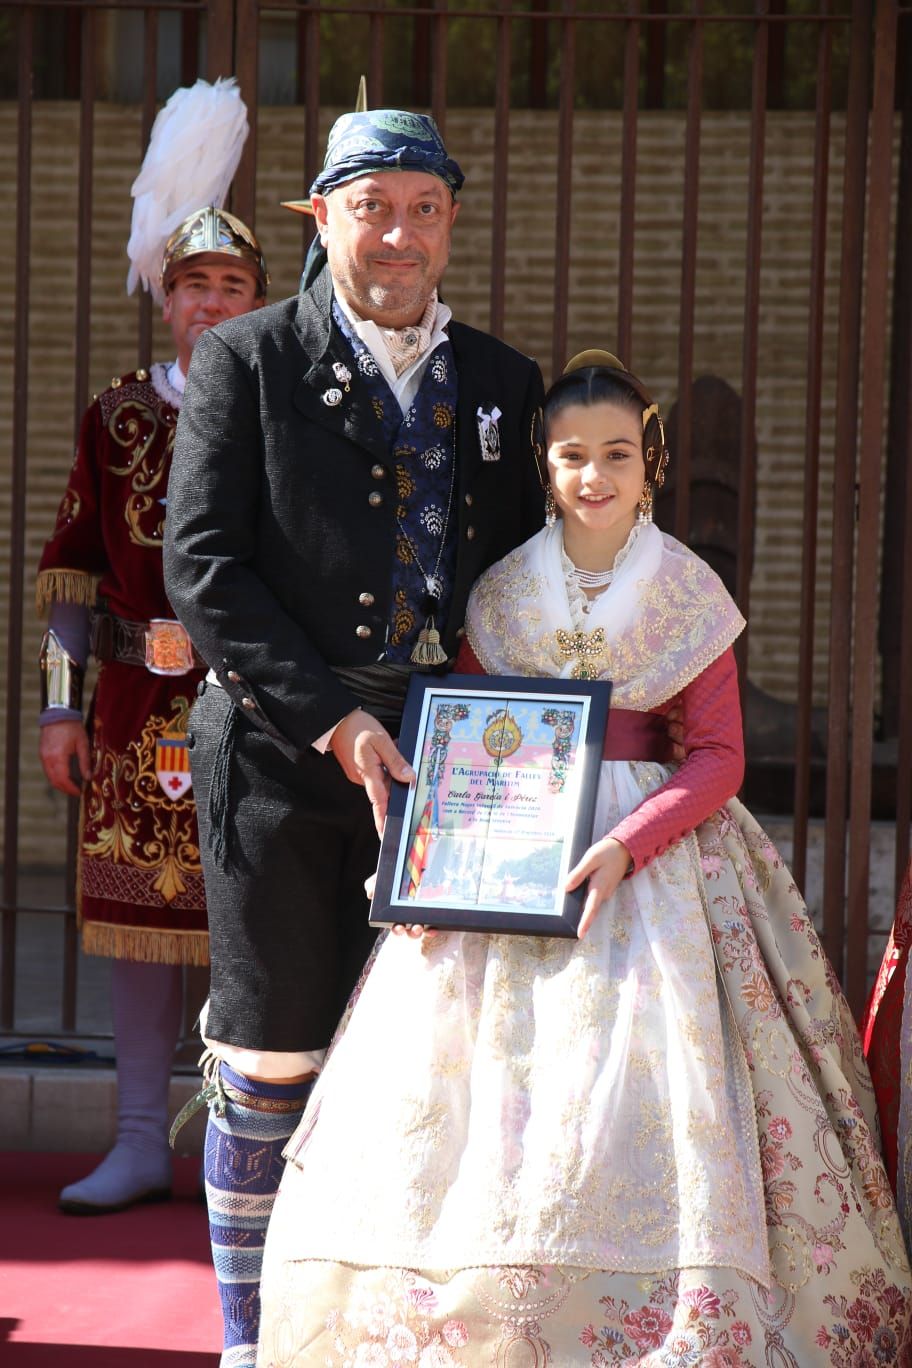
243	1165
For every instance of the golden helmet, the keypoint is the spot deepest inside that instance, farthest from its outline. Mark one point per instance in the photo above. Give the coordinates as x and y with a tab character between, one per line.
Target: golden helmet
213	232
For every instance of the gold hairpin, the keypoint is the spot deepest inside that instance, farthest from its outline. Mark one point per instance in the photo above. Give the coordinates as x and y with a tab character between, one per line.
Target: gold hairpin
593	357
651	412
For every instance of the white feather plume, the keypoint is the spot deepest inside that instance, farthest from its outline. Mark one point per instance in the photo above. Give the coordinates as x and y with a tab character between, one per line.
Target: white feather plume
193	153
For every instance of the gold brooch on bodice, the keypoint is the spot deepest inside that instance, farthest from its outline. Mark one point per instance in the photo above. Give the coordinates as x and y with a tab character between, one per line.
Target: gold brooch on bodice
584	645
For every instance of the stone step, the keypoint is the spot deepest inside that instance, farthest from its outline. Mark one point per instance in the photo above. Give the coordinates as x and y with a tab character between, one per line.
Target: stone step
74	1109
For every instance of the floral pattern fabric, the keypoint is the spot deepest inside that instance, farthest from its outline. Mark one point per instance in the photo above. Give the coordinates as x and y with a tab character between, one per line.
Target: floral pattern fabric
563	1317
840	1286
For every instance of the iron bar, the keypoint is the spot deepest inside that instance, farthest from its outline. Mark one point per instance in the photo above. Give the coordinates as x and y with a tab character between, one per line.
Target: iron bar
538	55
874	364
311	114
898	547
439	65
150	72
816	303
904	719
624	343
841	555
500	172
26	36
657	16
655	58
416	10
219	38
84	216
775	82
375	60
543	15
899	443
247	68
421	55
747	482
189	46
564	217
688	278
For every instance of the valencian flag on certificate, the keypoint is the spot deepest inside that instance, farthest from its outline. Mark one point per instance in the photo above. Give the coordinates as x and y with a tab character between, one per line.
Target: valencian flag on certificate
424	834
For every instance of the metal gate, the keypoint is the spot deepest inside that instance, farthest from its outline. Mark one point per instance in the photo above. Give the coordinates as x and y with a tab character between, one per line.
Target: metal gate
113	62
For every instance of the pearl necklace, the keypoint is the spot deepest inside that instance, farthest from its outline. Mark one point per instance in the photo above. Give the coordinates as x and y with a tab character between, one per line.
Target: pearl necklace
591	579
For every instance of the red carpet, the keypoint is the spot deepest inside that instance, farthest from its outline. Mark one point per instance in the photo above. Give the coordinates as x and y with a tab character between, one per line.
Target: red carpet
133	1290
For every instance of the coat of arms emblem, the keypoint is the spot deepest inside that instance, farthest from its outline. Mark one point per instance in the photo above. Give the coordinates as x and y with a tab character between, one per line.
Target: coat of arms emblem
172	764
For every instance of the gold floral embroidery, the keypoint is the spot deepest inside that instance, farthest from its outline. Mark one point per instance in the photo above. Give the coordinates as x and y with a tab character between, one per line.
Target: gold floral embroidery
404	553
405	484
403	619
135	428
123	788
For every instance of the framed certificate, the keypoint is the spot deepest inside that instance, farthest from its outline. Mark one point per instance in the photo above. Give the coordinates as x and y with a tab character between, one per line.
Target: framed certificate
507	772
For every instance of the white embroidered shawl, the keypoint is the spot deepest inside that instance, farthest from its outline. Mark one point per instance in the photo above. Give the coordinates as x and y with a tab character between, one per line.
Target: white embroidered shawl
663	619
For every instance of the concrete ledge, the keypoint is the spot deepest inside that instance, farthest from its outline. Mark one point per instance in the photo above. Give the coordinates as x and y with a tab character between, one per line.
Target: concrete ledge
75	1110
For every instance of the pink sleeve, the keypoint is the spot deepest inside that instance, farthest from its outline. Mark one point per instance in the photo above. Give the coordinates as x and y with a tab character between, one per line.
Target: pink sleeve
710	774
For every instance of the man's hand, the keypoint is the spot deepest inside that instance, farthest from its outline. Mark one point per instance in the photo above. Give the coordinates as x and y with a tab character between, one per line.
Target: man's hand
368	756
604	865
60	741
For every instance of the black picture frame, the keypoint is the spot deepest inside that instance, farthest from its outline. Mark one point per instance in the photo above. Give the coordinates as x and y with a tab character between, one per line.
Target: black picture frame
507	776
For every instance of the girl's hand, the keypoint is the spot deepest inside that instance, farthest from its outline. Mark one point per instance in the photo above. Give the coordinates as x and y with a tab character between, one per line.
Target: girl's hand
604	865
413	929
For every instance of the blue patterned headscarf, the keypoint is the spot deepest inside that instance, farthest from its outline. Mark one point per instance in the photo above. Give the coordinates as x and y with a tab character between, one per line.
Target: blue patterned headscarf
385	140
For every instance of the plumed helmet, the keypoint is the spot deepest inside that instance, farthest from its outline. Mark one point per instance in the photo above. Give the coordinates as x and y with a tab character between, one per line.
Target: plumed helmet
194	149
213	232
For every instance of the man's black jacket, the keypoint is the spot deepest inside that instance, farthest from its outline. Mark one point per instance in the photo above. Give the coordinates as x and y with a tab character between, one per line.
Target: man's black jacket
275	553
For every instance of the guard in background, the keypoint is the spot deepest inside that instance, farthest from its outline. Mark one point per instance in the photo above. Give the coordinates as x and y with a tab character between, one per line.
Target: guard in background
140	895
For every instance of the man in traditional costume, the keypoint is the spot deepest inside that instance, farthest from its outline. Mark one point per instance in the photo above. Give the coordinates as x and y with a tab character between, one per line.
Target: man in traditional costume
100	580
348	461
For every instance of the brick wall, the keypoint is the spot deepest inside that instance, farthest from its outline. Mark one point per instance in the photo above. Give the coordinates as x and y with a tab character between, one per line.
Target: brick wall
591	219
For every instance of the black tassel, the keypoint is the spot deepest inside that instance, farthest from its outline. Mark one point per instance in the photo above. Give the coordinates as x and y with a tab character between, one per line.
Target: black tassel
220	791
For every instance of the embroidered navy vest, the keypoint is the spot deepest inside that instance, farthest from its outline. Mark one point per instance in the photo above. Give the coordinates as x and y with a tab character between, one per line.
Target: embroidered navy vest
422	445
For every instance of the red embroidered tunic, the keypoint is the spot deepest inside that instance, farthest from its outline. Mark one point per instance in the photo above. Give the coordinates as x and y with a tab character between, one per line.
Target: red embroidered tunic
140	883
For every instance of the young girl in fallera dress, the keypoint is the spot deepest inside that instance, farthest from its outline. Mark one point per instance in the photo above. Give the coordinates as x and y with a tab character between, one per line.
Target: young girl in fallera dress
655	1144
